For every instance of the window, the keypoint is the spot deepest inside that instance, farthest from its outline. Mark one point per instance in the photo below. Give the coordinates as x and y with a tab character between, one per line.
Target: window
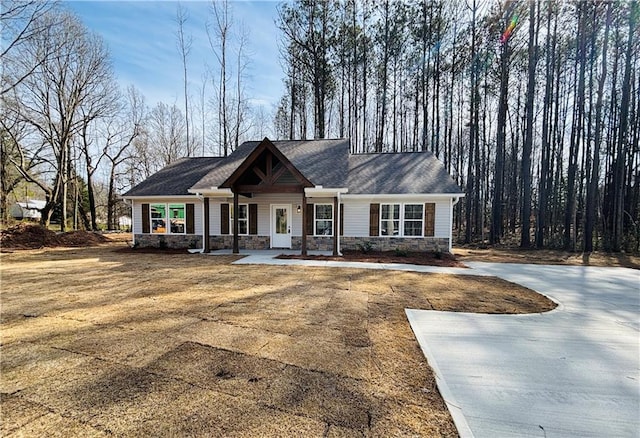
323	221
176	218
413	215
406	220
167	219
390	220
158	218
243	219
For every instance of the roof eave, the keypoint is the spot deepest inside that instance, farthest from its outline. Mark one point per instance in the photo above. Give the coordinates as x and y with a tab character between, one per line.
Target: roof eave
212	192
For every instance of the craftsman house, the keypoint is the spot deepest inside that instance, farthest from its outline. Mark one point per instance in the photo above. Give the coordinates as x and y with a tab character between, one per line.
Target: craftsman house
303	195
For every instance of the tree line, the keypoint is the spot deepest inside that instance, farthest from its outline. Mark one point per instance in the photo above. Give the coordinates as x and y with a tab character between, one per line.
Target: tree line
531	105
68	128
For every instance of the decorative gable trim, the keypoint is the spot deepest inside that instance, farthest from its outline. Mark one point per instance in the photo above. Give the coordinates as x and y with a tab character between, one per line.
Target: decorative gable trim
249	165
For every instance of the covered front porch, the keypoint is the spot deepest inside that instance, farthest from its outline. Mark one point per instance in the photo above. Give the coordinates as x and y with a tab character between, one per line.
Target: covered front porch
264	204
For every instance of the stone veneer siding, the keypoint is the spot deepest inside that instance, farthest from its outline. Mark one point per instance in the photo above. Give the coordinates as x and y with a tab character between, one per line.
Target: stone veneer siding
392	243
244	242
171	240
321	243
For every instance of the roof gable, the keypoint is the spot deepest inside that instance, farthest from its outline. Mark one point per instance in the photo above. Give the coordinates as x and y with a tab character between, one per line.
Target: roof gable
269	165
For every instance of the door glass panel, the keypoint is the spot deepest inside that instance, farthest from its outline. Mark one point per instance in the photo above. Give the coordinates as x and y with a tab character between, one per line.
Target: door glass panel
281	220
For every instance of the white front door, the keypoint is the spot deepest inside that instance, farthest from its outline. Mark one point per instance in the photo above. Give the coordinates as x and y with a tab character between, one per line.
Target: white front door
281	226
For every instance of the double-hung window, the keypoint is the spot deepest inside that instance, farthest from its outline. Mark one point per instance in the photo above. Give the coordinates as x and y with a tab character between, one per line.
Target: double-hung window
390	220
243	219
323	220
167	218
406	220
413	220
158	218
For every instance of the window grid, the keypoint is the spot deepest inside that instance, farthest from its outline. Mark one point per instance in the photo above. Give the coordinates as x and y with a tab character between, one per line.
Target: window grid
243	219
402	220
173	215
323	220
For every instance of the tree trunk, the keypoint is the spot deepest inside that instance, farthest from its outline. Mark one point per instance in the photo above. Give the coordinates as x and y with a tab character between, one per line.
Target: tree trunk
525	238
495	233
623	140
592	187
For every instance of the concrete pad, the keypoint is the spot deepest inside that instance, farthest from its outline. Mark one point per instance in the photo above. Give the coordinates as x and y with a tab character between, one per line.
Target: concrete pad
574	371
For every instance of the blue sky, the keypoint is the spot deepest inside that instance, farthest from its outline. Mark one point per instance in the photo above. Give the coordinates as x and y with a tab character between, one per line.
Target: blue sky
141	36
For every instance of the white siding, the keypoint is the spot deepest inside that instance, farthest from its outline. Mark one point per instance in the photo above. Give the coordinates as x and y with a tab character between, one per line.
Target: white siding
264	212
214	216
356	214
443	219
136	216
356	218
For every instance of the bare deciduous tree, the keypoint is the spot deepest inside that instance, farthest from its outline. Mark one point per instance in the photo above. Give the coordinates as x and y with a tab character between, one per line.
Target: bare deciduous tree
57	98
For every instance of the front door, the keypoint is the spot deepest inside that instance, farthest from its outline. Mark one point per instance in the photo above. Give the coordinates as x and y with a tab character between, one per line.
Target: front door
281	226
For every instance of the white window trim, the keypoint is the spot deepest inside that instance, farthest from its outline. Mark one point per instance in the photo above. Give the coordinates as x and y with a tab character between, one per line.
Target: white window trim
167	219
232	217
315	220
401	220
421	220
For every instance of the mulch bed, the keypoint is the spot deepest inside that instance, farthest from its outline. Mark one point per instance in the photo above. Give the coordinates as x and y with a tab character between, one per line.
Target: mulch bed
31	236
151	250
412	258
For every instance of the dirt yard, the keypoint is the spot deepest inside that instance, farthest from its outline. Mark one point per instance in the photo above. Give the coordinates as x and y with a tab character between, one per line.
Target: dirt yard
96	342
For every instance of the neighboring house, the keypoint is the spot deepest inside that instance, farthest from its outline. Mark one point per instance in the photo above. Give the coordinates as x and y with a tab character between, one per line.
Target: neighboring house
278	189
124	223
30	210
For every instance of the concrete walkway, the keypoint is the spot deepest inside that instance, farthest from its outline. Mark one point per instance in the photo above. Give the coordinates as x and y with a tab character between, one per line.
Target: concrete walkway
574	371
268	257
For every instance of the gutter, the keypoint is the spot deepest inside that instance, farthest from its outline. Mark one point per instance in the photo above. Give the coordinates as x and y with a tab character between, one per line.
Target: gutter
201	198
337	228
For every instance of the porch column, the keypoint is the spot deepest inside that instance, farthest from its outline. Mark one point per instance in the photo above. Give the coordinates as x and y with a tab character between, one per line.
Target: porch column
235	222
205	243
304	224
336	226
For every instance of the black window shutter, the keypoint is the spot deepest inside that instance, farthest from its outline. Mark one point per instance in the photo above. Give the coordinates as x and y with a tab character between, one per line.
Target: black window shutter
190	219
341	219
309	220
146	227
224	218
253	218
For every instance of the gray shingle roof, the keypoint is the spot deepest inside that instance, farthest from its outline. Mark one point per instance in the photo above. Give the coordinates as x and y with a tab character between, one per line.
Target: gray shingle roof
175	179
399	173
323	162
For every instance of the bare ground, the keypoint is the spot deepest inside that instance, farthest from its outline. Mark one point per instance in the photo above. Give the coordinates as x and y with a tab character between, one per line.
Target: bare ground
96	342
546	257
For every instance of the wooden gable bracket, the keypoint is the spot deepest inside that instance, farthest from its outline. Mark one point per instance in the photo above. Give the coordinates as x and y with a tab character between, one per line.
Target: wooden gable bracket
268	180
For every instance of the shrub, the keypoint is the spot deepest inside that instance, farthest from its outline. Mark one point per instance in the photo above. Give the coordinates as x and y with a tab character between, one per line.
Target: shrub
365	247
401	252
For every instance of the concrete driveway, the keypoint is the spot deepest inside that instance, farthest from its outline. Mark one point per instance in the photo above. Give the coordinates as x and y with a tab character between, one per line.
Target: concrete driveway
574	371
